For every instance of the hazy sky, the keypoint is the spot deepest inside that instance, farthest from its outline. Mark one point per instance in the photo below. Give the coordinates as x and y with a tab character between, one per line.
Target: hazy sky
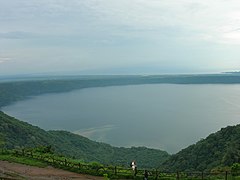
119	36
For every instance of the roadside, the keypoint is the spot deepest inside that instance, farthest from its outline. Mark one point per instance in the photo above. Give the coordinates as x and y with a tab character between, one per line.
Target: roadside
19	171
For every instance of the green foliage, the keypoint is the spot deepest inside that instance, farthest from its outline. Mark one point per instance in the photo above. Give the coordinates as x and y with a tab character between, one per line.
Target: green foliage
22	160
44	149
2	143
220	149
217	151
37	158
18	134
236	167
105	176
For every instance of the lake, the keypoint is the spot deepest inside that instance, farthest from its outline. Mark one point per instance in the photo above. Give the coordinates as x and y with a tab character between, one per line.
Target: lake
164	116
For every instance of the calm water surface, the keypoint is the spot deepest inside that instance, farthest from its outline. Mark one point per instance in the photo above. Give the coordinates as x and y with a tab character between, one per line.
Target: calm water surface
169	117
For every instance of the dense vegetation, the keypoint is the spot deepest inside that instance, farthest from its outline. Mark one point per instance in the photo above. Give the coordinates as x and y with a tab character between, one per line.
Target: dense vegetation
13	91
18	134
218	150
44	156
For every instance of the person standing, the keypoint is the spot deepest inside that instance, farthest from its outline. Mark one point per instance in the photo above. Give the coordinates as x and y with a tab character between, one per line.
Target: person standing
134	167
145	175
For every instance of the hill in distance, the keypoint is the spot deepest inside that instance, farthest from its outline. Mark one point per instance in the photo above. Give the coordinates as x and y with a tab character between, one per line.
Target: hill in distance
18	134
218	150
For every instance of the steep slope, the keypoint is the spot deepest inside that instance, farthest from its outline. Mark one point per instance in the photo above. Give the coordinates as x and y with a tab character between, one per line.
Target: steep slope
217	150
18	134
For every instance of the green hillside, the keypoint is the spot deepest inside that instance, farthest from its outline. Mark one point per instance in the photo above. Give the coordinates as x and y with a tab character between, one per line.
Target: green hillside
18	134
219	149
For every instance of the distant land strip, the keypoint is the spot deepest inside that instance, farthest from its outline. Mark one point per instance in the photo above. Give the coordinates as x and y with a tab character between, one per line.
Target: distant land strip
13	91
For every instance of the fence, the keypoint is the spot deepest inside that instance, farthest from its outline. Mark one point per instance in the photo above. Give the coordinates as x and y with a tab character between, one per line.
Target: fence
121	172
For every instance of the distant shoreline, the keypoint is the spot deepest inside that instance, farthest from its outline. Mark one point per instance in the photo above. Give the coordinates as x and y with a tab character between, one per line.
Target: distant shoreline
20	89
15	78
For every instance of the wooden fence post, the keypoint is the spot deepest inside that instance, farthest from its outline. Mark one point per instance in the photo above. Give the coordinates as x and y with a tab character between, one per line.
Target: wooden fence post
79	166
177	175
226	175
65	162
115	170
156	175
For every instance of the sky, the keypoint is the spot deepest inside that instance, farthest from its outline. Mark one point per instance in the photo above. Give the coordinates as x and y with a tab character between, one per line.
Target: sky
119	37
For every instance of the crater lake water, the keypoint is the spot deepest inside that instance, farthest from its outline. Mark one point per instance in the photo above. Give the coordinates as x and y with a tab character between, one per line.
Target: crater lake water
163	116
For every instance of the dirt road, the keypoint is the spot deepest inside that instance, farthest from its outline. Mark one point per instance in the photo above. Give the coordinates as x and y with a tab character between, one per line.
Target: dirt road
19	171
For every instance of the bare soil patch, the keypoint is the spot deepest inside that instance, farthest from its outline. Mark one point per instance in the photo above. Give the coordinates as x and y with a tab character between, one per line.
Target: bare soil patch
19	171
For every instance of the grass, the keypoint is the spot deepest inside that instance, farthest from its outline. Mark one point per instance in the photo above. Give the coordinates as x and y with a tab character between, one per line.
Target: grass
23	160
93	168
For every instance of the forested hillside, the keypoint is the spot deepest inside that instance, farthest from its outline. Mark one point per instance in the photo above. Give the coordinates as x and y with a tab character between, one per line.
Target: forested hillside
14	91
18	134
217	150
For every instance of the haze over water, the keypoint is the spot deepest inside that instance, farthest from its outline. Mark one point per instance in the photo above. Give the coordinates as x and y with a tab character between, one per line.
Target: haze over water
165	116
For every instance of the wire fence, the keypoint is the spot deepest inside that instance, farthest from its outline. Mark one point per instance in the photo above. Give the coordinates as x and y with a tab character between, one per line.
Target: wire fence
115	172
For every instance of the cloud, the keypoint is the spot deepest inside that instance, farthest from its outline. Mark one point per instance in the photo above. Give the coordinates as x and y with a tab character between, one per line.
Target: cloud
18	35
140	18
81	34
5	59
233	30
124	18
